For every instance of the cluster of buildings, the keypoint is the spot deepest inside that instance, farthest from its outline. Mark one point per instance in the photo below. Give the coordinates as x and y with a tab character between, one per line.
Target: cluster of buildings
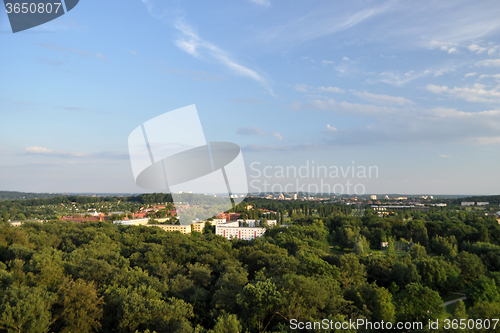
283	196
241	229
472	203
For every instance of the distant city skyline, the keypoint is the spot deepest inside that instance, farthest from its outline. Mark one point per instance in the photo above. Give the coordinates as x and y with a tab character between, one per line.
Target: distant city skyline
412	88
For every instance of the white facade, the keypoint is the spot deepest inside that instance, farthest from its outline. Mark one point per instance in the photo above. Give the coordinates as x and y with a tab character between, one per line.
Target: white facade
271	223
133	222
251	223
229	224
215	222
239	232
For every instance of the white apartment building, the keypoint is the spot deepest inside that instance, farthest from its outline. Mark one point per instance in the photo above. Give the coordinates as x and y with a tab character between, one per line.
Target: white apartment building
239	232
133	222
251	223
233	224
185	229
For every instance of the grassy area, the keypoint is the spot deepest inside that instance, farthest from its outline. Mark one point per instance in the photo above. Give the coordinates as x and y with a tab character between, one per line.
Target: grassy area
451	297
383	253
336	250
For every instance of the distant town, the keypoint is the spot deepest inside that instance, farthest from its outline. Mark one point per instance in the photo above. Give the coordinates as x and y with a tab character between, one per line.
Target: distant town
246	222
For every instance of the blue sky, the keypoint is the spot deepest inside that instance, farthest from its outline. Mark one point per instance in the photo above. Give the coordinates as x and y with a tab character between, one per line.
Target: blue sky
410	87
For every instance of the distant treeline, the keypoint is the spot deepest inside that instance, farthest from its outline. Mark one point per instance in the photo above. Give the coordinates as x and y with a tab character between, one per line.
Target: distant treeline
80	199
11	195
492	199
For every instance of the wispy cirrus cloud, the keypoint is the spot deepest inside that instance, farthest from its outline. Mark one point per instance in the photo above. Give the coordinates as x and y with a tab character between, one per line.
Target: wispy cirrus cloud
381	99
398	79
191	43
319	22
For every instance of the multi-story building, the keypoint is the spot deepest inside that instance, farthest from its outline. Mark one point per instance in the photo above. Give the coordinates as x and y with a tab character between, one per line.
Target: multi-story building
250	223
230	224
133	222
185	229
239	232
467	203
215	222
198	226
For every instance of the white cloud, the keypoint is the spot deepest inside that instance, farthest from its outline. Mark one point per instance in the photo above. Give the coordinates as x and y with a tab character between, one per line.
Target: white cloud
381	99
331	89
477	49
470	74
436	89
331	128
409	123
327	62
416	126
277	135
476	93
187	46
449	47
496	77
445	156
443	70
489	63
321	21
301	87
342	107
192	44
396	79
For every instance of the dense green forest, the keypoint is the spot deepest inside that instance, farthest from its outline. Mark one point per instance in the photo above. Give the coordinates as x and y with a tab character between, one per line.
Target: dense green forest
326	264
